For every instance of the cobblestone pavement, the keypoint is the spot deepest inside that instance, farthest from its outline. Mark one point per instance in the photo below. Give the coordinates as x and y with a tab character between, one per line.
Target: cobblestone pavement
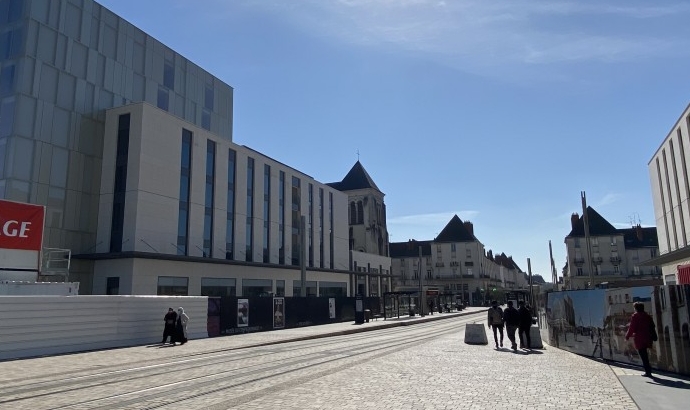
425	366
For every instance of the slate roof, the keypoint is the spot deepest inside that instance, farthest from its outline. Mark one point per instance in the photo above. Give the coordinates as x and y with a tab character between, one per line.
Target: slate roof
357	178
598	226
647	239
506	261
455	231
409	249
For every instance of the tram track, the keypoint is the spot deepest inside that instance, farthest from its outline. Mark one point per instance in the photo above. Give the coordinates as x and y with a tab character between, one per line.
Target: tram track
230	369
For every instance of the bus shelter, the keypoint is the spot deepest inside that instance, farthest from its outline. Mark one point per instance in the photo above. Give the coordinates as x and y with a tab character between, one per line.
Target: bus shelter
405	302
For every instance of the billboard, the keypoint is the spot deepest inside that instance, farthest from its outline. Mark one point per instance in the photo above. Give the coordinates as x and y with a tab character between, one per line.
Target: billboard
595	322
21	226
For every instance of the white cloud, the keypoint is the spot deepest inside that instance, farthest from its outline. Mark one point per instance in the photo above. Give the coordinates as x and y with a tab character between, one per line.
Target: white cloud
480	35
608	199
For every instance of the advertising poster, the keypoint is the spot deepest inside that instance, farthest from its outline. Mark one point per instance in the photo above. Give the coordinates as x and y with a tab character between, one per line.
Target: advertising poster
331	308
278	313
242	312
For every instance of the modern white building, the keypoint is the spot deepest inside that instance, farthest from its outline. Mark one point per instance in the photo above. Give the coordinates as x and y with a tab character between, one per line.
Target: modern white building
454	262
668	172
614	255
129	146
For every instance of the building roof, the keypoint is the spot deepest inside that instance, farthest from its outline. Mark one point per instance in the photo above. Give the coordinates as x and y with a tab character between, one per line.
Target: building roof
598	226
639	237
409	249
507	262
357	178
455	231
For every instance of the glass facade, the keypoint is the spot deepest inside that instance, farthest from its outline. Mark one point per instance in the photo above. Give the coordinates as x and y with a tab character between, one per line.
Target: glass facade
184	204
297	288
249	238
230	217
257	287
209	197
310	225
321	261
267	213
281	218
120	188
173	286
331	235
62	64
218	287
296	221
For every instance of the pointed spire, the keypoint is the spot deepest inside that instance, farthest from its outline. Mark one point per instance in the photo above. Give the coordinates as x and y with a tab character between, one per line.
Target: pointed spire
357	178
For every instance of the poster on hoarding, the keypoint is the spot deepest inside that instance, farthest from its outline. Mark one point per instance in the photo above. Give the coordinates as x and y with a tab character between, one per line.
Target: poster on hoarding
21	225
242	312
278	313
331	308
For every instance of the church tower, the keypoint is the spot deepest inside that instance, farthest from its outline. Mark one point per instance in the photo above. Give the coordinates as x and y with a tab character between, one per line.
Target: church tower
366	212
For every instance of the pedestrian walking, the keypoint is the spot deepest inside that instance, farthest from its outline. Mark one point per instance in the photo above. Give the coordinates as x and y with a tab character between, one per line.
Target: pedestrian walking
511	318
495	318
181	327
643	331
525	325
169	329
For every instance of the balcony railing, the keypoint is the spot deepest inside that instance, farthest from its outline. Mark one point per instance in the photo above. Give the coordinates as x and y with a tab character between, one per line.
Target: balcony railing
616	259
579	261
597	259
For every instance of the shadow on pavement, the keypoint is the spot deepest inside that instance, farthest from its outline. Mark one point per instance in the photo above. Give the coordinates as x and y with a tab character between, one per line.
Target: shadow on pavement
676	384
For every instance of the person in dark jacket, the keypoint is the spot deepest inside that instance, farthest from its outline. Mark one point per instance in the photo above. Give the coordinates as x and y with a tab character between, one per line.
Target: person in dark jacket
525	325
495	318
169	330
641	330
511	317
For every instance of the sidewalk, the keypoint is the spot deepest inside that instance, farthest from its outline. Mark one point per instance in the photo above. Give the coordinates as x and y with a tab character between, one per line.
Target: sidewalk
567	372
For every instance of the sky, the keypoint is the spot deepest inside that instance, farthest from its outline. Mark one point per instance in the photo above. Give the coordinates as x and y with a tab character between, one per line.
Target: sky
500	111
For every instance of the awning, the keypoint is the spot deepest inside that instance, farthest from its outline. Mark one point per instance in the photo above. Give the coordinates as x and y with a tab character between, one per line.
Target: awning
683	275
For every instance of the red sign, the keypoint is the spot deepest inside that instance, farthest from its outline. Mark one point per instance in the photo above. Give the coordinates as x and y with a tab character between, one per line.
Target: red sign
683	275
21	225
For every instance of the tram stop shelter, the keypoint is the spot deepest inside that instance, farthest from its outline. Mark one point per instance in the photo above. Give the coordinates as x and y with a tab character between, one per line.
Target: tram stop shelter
395	302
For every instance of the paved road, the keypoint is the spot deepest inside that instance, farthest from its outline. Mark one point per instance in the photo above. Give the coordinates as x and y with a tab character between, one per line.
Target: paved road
425	366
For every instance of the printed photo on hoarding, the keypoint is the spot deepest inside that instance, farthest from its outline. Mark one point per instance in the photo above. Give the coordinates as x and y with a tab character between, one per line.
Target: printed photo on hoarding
242	312
278	313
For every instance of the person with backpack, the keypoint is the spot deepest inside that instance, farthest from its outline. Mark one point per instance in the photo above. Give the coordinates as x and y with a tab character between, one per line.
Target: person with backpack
511	317
643	331
496	321
525	325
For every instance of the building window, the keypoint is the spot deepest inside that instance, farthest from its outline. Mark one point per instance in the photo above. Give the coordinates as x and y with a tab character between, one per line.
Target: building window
331	234
172	286
206	120
595	241
310	224
163	101
257	287
353	213
577	242
281	218
297	288
636	270
169	74
452	247
580	272
230	217
468	253
616	269
209	197
296	221
469	272
208	97
218	287
360	212
280	288
185	182
112	285
250	211
120	189
321	255
267	214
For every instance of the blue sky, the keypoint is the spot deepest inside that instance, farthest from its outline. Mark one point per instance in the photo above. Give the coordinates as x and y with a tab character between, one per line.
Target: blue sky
499	111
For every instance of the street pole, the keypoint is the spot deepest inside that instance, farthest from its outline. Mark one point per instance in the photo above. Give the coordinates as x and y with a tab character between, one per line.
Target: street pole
421	290
531	289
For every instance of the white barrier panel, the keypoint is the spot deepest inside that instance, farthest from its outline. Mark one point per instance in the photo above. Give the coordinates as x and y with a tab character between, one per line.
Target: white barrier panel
45	325
475	334
23	288
535	338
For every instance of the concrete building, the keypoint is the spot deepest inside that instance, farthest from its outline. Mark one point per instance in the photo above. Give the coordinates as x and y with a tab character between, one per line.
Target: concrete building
454	262
668	172
368	233
616	255
129	146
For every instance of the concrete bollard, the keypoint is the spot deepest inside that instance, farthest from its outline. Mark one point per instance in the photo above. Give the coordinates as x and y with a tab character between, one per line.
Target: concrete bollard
535	338
475	334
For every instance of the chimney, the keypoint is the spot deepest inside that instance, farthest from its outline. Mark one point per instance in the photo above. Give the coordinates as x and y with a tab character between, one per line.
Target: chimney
469	227
573	220
638	231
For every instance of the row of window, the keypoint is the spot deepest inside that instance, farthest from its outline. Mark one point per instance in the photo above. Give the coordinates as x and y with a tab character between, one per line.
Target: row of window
209	201
219	287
